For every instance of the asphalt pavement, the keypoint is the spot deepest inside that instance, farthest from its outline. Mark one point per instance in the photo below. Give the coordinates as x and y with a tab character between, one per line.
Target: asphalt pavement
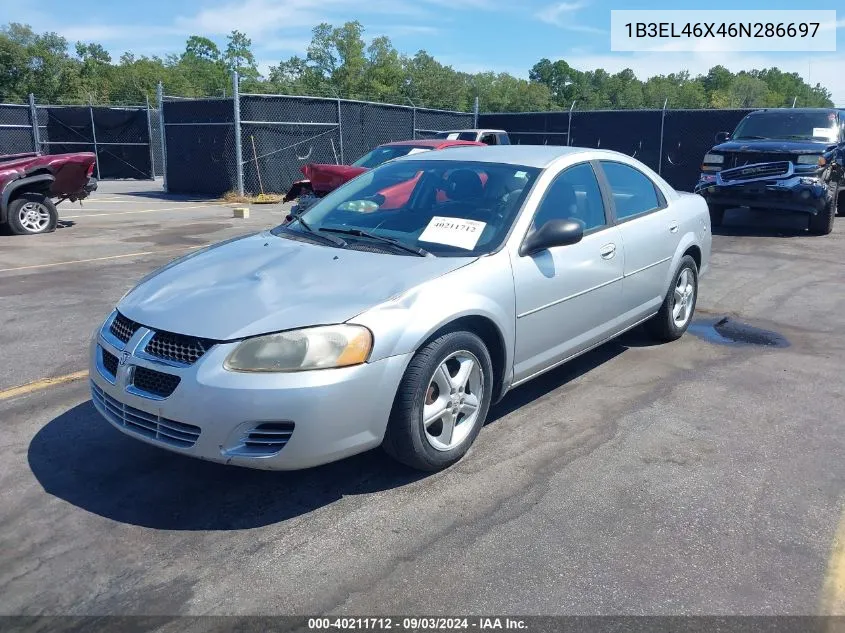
698	477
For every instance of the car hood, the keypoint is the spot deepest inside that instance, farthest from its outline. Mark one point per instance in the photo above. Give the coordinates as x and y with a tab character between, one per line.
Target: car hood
263	283
775	145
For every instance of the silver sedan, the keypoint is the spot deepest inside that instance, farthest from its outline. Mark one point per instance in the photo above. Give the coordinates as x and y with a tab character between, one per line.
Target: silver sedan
398	308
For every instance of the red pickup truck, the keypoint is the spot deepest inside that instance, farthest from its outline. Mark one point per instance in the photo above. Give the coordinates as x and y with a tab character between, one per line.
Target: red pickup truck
29	184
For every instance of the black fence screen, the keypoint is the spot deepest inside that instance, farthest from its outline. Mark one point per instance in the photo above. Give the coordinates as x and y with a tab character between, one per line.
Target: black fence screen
280	134
199	137
686	135
120	137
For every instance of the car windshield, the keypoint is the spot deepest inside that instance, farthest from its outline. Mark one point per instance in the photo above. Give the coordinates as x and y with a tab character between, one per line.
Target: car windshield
785	125
457	136
385	153
449	208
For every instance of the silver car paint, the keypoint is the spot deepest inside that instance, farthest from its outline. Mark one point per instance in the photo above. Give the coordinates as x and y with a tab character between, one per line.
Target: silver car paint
543	318
264	283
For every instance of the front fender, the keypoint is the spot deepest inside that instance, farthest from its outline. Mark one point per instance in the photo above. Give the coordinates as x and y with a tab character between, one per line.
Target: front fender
15	185
483	289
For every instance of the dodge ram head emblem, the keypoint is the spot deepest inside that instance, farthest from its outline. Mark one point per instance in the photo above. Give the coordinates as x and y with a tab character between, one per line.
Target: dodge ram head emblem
124	357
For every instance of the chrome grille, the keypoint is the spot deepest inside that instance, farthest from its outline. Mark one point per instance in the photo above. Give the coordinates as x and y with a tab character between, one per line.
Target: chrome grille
123	328
265	439
751	172
154	382
145	424
110	362
741	159
178	347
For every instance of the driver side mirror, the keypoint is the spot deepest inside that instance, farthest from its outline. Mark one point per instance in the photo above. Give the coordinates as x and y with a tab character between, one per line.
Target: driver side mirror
552	233
721	137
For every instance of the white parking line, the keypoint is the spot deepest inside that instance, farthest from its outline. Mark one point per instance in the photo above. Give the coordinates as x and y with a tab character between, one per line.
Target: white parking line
100	259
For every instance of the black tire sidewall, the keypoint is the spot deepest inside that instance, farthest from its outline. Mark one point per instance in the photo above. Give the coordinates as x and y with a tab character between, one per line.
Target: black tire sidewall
17	203
407	440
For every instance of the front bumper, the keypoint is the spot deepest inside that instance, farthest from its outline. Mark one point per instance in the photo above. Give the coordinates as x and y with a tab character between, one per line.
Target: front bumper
335	412
805	194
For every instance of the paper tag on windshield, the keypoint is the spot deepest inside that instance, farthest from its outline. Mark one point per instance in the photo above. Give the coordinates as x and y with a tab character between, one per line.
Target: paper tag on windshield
823	132
418	150
453	232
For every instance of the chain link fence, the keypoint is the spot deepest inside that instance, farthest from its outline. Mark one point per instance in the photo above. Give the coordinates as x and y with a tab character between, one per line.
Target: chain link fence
120	137
671	142
258	143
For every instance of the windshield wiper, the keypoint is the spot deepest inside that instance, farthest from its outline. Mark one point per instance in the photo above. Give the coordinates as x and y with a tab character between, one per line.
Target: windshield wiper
416	250
331	239
752	138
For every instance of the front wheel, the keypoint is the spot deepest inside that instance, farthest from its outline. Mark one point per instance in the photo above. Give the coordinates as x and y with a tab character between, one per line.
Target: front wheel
675	315
442	402
822	222
31	214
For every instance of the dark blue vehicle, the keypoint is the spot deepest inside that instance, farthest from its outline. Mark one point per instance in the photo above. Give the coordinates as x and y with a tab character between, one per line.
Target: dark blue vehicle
779	160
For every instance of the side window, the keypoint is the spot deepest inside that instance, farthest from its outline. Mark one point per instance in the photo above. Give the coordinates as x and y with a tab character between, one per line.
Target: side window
503	139
488	139
633	192
574	193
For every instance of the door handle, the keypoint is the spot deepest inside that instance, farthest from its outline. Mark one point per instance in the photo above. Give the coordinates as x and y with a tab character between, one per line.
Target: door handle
673	228
608	251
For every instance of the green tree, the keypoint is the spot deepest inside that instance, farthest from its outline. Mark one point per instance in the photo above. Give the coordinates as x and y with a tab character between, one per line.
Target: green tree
239	57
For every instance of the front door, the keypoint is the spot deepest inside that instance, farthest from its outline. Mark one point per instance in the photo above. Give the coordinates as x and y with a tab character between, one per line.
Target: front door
567	297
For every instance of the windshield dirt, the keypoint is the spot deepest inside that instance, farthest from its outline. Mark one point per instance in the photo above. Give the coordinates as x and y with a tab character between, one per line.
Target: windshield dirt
787	125
446	208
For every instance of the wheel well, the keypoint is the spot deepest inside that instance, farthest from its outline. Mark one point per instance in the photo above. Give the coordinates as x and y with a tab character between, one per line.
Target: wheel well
488	332
695	253
39	186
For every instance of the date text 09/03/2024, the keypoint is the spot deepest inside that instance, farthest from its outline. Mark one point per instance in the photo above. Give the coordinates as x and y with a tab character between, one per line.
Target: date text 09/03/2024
417	623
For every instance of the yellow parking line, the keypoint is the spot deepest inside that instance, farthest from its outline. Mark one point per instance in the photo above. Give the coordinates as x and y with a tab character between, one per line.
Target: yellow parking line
100	259
41	384
833	591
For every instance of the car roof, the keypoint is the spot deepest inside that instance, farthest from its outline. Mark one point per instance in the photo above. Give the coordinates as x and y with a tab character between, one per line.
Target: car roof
795	110
475	129
528	155
434	143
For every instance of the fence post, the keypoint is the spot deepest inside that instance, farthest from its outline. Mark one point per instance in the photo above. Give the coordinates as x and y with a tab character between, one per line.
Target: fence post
239	162
94	136
569	125
475	113
662	123
340	129
33	119
160	101
150	141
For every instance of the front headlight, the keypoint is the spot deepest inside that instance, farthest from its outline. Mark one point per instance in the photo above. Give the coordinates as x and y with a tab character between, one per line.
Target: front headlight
713	159
809	159
300	350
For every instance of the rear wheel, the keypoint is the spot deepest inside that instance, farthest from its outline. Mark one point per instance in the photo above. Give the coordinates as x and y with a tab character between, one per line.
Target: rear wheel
717	214
675	314
31	214
840	204
442	402
822	222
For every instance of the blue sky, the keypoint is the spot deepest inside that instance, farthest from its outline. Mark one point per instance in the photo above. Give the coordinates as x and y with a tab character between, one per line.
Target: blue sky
471	35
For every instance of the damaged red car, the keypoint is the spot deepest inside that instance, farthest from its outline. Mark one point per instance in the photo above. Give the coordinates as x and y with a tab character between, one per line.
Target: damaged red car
321	179
32	184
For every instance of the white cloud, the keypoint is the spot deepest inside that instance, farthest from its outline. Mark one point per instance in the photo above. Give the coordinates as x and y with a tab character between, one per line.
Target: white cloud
560	15
822	68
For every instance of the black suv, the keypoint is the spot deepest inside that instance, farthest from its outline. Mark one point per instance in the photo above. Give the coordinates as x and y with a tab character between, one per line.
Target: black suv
782	160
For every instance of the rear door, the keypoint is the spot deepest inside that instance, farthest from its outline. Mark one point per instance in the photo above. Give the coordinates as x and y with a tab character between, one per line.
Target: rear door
650	235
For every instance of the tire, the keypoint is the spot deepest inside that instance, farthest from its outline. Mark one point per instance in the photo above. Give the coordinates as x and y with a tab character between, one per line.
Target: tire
822	222
840	204
663	325
717	214
426	447
32	214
